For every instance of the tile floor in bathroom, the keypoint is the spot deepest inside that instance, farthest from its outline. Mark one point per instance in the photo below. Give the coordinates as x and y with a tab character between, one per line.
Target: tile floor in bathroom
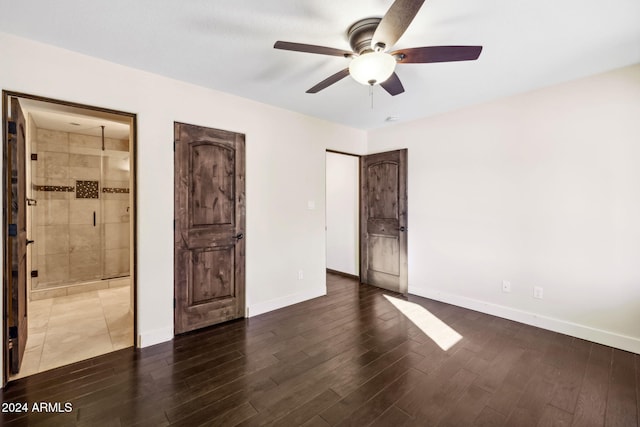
71	328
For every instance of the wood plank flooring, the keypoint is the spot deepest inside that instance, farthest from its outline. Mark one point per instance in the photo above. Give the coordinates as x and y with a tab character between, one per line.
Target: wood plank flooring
348	359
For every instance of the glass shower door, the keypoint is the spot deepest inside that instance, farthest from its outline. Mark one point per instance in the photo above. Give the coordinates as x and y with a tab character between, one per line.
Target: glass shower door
115	209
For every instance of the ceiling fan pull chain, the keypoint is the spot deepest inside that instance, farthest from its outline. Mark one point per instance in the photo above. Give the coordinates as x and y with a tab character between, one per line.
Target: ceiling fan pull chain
371	95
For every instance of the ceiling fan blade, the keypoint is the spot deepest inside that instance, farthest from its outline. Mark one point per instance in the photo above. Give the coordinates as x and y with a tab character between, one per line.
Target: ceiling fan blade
422	55
310	48
393	85
395	22
329	81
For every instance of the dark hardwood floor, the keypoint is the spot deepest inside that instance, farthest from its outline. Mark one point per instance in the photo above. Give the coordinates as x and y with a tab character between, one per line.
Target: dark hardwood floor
350	358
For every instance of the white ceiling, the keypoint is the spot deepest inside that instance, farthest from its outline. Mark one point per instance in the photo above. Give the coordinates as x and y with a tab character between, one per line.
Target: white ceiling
228	45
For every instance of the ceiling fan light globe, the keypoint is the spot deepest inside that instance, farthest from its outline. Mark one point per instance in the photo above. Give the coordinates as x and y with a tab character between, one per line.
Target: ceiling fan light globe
373	67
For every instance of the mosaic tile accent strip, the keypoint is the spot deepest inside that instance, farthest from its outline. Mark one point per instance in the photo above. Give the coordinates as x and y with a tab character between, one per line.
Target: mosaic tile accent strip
114	190
56	188
87	190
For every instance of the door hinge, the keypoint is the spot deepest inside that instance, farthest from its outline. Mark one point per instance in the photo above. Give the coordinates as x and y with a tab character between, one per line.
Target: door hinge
174	303
174	146
13	332
11	127
174	224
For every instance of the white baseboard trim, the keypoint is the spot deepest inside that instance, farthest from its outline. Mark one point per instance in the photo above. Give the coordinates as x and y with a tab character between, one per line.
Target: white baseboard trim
276	303
154	337
588	333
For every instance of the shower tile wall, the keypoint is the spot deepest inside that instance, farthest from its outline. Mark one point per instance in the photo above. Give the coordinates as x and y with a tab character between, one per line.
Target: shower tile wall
67	246
115	199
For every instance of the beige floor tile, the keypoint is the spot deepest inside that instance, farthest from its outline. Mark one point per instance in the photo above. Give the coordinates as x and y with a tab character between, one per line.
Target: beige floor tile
41	313
37	322
116	309
73	350
76	321
89	305
122	342
115	296
79	330
40	305
72	328
81	297
76	310
122	338
120	321
30	363
112	312
72	311
35	341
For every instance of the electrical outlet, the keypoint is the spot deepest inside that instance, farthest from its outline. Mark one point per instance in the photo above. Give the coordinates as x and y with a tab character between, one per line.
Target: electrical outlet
537	292
506	286
300	275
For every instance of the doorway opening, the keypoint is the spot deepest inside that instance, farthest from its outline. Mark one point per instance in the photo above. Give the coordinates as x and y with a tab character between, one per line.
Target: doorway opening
343	213
69	183
370	221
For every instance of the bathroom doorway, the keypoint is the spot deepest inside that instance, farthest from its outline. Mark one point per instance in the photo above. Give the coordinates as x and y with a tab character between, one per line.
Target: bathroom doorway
79	198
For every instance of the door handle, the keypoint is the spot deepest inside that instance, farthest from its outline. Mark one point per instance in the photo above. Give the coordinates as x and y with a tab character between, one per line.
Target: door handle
29	241
402	229
240	236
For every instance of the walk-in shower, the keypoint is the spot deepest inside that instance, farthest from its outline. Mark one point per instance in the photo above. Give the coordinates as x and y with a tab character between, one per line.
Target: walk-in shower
81	211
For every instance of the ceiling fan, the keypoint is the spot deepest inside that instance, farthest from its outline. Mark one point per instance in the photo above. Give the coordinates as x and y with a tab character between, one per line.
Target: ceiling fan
371	39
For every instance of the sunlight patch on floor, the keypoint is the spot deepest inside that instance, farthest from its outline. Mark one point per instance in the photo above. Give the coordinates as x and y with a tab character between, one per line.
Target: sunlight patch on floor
441	333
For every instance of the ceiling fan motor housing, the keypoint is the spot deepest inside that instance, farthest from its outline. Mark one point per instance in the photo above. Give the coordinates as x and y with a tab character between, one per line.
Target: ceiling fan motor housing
361	33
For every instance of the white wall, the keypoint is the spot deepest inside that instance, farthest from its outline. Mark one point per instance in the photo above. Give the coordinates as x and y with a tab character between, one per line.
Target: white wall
342	203
541	189
285	170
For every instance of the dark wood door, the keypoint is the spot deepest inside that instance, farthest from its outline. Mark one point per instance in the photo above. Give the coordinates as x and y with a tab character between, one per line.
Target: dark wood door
17	242
383	220
209	247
